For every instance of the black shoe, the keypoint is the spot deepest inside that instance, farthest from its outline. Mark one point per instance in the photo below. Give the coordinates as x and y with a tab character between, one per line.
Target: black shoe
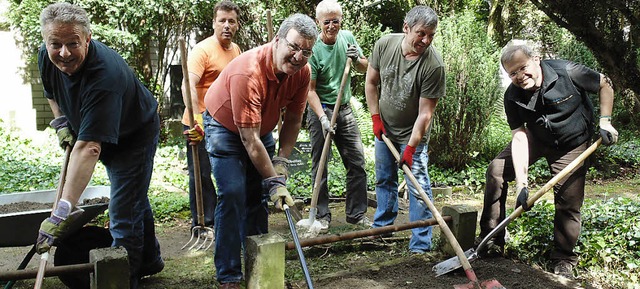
563	268
152	269
493	247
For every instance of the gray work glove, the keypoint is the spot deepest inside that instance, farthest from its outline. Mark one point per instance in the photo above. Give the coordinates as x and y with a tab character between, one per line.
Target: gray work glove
353	53
278	192
326	125
57	225
523	196
64	132
607	132
281	165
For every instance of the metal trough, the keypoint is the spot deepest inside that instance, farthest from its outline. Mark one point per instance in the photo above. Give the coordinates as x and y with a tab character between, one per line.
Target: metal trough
23	226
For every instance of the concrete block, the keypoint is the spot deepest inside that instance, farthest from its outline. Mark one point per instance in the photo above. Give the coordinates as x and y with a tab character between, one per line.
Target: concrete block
462	225
264	263
441	192
111	268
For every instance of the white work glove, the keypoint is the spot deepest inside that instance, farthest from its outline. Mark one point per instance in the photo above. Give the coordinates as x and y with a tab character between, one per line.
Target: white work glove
352	52
326	125
607	132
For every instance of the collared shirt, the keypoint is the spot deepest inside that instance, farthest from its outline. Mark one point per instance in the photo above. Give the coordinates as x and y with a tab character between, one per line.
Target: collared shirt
560	113
248	94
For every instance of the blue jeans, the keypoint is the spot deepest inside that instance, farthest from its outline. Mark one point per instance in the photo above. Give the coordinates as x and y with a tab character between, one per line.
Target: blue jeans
349	144
387	193
242	204
209	198
130	215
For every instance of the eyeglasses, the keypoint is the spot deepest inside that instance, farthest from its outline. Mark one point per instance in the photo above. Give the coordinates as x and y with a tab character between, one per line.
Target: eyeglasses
306	53
334	21
522	69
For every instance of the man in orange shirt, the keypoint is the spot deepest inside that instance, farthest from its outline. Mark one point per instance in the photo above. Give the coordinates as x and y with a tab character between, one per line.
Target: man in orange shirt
243	107
206	61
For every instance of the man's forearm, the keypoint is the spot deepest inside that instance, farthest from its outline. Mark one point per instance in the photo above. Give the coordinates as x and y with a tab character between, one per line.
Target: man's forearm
520	155
314	103
55	109
289	134
606	94
371	90
82	163
257	152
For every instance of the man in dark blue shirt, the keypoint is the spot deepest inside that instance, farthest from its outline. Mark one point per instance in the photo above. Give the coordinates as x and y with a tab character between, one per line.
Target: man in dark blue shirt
551	116
104	113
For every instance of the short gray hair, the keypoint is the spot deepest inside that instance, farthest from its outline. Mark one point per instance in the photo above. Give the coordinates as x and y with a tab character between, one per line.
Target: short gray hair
421	15
328	6
510	50
66	13
301	23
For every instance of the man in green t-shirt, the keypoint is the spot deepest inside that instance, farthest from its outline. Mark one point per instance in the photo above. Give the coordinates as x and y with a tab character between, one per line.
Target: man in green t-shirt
330	54
405	79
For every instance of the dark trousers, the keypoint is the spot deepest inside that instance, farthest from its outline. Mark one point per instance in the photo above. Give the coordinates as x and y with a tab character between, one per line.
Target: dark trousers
349	143
568	195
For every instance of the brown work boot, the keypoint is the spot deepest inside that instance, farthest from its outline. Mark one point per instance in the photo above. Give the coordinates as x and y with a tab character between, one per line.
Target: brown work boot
230	285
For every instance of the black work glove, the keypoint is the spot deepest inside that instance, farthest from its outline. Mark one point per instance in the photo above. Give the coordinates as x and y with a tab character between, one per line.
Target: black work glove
522	198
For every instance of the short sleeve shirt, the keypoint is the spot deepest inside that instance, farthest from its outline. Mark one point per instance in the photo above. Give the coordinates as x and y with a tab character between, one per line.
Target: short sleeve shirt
248	94
327	66
207	59
403	82
104	101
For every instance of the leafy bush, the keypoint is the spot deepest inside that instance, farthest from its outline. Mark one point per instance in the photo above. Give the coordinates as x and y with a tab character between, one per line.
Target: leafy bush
609	241
32	163
463	115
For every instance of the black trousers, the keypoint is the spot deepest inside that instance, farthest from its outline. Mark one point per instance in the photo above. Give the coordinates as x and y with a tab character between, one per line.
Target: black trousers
568	195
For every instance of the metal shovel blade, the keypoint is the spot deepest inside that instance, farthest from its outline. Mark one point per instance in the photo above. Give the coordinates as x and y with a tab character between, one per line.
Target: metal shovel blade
453	263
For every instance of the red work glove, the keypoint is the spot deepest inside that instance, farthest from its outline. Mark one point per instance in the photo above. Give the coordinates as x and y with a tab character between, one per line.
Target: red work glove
378	126
407	156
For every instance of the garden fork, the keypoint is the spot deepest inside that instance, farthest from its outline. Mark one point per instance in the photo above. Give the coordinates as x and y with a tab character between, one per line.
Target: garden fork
203	235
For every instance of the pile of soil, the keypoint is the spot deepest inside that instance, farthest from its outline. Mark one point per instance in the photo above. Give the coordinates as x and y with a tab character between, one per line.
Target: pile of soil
34	206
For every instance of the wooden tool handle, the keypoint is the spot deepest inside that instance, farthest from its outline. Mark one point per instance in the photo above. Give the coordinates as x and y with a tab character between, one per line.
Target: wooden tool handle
194	148
327	140
443	225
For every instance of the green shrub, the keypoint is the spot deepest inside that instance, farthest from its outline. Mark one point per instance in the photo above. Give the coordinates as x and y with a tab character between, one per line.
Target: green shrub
473	90
609	241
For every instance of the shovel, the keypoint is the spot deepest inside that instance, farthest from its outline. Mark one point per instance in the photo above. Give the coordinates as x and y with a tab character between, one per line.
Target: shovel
45	256
311	227
200	232
451	264
471	275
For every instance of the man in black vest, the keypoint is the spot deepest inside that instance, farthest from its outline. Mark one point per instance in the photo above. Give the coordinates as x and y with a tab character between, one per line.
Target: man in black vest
550	116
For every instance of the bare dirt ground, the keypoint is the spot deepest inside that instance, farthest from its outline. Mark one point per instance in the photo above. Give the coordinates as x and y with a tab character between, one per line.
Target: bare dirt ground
355	264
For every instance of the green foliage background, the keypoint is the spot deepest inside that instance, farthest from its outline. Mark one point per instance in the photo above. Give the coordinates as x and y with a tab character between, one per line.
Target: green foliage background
608	246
